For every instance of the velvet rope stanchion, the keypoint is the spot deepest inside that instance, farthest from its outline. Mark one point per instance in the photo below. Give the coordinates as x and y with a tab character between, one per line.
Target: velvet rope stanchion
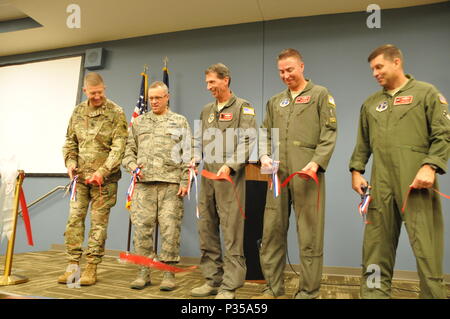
8	279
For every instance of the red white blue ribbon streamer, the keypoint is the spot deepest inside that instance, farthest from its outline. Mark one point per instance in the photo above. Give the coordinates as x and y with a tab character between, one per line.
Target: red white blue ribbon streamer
73	189
363	207
130	191
275	180
193	176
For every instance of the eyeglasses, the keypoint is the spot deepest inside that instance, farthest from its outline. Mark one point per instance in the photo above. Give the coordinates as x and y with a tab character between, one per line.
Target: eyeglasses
156	98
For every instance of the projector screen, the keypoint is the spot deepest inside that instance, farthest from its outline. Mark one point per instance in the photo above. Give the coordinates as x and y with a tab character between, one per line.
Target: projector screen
36	102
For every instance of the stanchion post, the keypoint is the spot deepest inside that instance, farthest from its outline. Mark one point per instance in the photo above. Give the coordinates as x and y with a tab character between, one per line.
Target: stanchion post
8	279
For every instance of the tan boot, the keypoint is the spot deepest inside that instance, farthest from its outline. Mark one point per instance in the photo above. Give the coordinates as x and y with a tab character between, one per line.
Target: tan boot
142	279
70	273
269	294
204	291
89	275
168	282
226	294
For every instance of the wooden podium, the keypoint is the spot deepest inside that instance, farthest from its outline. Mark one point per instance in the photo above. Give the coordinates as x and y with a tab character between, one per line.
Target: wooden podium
255	202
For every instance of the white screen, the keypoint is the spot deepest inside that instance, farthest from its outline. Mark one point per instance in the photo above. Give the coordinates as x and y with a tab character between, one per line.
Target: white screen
36	102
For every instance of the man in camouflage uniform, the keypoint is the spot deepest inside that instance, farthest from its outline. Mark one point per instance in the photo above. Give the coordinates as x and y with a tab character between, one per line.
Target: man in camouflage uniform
94	147
160	145
305	115
218	207
406	126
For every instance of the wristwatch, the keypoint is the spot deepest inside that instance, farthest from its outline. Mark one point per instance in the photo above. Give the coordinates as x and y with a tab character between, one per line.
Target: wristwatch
433	166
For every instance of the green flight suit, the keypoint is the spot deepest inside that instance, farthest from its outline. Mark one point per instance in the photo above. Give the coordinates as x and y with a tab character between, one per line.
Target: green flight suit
403	132
218	207
307	132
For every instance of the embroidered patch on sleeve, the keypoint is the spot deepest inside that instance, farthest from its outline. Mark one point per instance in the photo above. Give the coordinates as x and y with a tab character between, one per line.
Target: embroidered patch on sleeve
442	99
331	101
248	110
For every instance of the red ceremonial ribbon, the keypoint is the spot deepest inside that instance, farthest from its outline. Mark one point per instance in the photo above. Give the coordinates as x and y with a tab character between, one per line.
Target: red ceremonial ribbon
225	177
26	217
148	262
306	175
409	191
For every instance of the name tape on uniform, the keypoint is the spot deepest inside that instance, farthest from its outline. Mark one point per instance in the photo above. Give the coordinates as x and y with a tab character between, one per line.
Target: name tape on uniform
403	100
302	99
226	116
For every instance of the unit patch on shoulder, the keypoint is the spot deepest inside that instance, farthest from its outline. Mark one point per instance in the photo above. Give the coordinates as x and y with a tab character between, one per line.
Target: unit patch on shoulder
248	110
403	100
331	101
442	99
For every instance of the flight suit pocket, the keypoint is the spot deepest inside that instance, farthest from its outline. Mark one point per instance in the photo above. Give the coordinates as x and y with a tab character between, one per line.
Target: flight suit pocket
373	220
419	149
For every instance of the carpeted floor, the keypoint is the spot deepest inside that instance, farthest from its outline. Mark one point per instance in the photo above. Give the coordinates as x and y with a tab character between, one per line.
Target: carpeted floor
43	269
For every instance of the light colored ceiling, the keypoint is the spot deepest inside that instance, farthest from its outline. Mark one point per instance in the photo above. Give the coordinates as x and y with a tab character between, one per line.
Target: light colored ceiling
105	20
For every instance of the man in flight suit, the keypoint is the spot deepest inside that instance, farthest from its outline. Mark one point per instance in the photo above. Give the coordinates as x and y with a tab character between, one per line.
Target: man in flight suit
406	126
94	147
304	114
218	207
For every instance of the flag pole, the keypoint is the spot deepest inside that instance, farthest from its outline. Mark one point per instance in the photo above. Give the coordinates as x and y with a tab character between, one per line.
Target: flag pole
7	279
155	244
145	75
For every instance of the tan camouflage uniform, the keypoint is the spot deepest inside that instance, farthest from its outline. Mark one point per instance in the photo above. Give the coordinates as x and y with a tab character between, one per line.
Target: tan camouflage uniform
95	142
159	144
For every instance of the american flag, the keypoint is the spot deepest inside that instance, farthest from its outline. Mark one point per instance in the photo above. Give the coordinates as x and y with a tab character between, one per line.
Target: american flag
142	102
166	75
